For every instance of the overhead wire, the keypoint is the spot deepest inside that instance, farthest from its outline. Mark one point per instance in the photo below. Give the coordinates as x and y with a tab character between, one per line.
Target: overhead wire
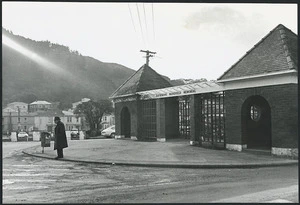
132	18
153	22
140	23
145	18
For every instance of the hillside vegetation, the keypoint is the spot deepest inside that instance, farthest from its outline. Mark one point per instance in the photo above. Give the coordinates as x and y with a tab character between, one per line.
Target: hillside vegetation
25	80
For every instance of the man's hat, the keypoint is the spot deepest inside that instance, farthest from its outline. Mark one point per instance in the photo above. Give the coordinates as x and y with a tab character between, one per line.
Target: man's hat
56	118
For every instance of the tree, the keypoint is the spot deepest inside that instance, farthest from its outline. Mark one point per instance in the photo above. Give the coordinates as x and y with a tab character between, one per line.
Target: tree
93	112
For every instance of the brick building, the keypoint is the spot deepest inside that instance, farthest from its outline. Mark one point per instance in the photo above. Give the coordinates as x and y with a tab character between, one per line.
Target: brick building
253	105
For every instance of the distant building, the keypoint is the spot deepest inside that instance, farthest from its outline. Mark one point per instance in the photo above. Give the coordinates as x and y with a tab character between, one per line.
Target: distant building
23	107
14	121
107	120
74	105
71	121
54	105
8	110
44	121
39	106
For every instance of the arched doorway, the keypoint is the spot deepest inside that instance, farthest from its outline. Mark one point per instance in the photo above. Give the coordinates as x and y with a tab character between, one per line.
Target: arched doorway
125	122
256	123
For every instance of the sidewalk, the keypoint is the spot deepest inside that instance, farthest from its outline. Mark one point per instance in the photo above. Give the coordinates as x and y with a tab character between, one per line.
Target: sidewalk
176	153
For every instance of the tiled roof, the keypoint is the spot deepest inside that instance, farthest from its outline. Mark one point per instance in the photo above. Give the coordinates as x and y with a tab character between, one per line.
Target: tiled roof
143	79
277	51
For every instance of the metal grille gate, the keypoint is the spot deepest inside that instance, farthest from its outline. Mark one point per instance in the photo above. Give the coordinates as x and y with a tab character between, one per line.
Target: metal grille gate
184	117
148	119
212	119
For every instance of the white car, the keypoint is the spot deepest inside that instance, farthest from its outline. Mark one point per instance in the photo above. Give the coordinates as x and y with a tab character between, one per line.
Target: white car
22	135
109	132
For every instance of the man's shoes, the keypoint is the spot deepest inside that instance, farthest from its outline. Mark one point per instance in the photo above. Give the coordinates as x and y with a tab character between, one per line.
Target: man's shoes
58	158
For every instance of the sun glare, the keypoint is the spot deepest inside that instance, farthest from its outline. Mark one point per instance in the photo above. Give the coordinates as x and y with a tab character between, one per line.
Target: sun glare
32	55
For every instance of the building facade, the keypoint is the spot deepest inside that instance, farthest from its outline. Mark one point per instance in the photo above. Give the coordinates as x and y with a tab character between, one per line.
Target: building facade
107	120
71	121
14	121
39	106
253	105
74	105
17	106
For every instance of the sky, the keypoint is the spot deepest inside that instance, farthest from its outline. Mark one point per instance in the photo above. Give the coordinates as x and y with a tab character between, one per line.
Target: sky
191	40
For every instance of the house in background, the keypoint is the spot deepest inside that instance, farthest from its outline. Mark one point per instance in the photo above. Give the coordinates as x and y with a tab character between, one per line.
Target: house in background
71	121
39	106
8	110
23	107
107	120
17	121
44	121
74	105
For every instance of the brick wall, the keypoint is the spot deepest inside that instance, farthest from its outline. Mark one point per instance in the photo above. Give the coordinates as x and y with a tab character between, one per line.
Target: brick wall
132	107
283	101
167	118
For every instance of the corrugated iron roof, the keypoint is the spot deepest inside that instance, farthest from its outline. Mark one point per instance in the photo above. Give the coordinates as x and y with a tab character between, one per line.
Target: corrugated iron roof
181	90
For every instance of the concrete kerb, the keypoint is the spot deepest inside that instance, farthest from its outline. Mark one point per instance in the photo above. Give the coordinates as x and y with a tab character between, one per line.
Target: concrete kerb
171	165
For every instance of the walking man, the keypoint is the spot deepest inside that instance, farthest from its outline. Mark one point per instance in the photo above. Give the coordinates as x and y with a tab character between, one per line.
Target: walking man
60	138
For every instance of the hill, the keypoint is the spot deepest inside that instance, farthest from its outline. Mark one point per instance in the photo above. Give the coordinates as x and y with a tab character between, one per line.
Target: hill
27	77
41	70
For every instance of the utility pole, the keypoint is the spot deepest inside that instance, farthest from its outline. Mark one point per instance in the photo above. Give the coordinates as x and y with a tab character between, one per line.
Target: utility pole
148	55
10	123
19	122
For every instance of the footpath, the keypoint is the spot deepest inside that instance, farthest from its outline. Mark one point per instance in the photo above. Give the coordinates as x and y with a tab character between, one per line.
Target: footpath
174	153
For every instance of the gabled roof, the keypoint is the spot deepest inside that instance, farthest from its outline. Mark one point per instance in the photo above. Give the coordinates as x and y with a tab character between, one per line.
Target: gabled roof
277	51
143	79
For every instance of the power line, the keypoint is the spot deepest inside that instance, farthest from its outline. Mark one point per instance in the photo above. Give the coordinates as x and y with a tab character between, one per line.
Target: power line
132	19
140	22
145	21
153	22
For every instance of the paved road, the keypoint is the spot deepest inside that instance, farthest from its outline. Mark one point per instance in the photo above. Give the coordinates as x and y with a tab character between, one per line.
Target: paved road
34	180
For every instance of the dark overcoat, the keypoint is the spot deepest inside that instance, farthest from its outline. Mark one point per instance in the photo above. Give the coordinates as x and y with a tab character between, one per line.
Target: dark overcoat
60	138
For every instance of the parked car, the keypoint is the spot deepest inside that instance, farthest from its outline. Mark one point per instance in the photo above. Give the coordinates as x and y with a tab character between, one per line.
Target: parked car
22	136
109	132
74	135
